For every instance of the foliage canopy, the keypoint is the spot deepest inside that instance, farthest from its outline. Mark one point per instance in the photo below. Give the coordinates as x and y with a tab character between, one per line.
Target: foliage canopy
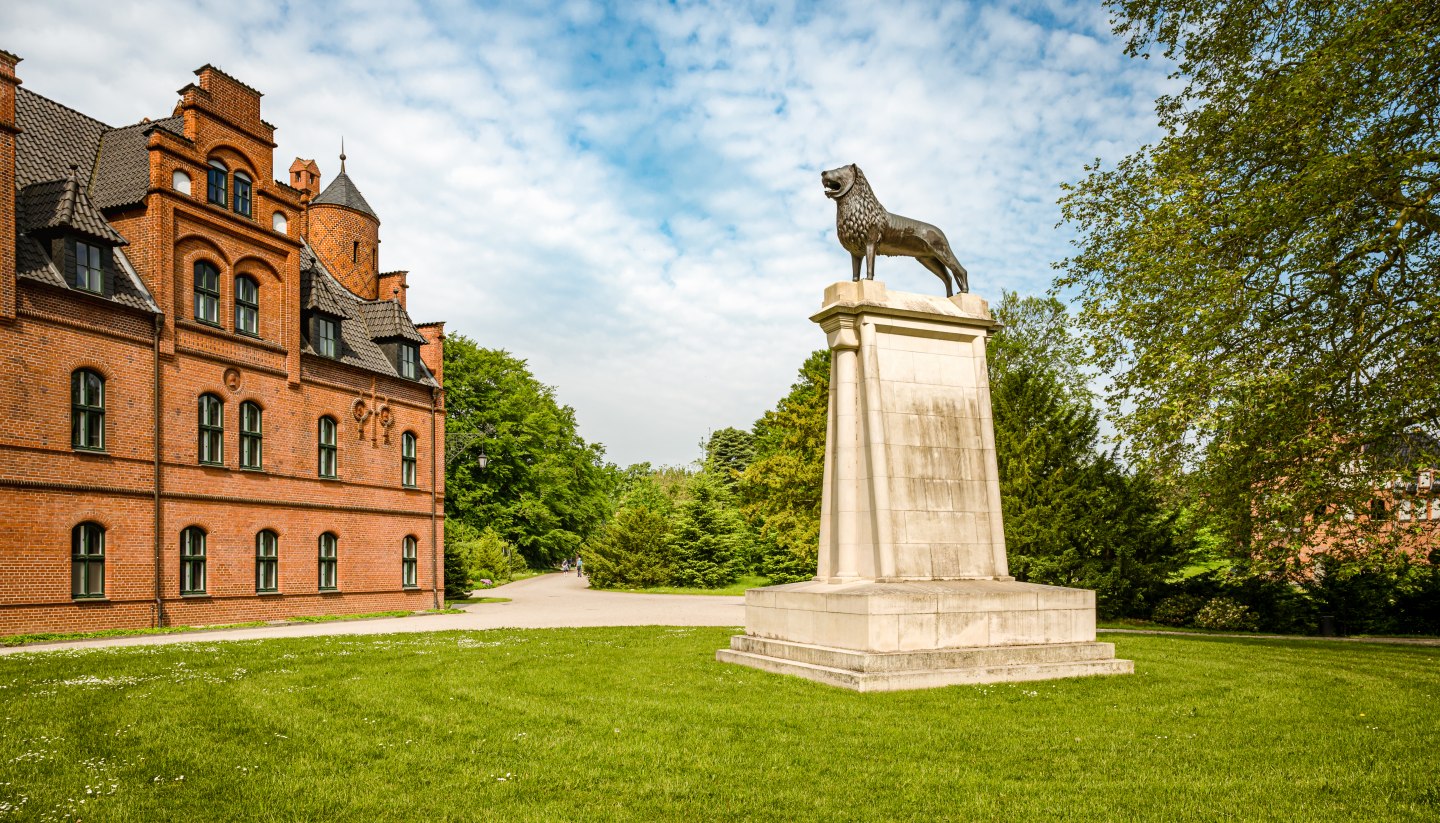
1073	515
1262	279
780	488
544	489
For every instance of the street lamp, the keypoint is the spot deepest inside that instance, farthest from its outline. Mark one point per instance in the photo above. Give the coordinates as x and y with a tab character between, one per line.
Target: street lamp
458	444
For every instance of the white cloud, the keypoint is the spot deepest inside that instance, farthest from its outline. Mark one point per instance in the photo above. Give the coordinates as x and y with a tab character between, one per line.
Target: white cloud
629	198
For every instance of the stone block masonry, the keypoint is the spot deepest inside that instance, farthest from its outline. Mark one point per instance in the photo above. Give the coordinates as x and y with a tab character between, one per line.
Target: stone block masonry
912	589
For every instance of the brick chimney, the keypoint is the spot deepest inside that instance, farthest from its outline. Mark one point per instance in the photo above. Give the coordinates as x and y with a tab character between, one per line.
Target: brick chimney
305	176
392	284
9	127
432	354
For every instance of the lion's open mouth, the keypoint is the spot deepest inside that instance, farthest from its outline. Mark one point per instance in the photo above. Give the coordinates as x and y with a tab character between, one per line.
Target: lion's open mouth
833	188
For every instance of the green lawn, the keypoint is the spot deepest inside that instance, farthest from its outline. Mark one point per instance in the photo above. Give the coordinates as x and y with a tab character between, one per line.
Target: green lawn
57	637
643	724
736	588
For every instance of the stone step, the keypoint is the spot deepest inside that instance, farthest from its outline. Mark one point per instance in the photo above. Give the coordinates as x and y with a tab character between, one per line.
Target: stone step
884	681
928	659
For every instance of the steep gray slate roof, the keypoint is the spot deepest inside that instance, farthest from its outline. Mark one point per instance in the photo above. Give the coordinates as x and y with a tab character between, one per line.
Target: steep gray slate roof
122	170
387	320
342	192
319	293
62	205
358	345
52	139
56	156
114	163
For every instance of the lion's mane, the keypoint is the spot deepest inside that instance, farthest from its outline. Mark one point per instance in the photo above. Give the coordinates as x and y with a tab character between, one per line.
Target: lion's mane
859	217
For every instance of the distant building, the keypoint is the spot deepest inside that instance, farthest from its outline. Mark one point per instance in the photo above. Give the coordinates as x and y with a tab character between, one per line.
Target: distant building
1407	508
216	406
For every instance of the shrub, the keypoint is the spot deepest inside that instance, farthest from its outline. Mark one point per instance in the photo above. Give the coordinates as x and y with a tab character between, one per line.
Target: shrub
633	550
493	559
1177	610
1224	613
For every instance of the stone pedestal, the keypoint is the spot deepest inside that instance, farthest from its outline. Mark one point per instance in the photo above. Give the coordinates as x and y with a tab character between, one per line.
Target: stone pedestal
913	589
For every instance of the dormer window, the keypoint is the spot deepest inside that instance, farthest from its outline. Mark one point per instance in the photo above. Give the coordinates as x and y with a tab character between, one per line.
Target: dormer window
89	269
407	356
242	193
217	184
327	337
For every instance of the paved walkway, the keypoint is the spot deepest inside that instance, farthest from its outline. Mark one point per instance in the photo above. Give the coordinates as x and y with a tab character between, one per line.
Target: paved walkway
545	602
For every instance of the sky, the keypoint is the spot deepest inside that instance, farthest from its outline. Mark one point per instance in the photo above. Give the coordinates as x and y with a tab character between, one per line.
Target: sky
628	196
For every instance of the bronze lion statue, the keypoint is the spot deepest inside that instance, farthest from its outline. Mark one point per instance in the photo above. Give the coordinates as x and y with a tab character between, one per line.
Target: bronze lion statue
866	229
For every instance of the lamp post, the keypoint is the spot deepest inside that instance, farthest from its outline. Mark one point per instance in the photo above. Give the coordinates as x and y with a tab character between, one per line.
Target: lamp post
457	444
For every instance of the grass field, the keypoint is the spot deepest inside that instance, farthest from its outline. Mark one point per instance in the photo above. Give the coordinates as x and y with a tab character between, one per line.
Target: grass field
643	724
736	589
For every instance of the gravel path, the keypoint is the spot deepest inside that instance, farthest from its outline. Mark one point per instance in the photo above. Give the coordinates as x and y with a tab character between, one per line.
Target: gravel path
545	602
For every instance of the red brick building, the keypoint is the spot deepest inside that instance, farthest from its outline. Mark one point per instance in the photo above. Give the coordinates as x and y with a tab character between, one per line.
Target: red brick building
217	407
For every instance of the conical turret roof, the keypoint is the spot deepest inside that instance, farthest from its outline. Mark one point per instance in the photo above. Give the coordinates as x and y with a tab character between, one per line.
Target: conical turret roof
342	192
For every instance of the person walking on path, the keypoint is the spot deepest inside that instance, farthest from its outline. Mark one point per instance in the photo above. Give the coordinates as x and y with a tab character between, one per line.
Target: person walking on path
579	566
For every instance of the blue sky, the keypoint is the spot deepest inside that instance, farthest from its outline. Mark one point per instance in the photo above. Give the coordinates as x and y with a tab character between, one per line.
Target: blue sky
628	195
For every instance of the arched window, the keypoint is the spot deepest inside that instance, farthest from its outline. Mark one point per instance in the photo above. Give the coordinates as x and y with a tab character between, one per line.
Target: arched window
252	432
87	410
267	561
216	179
329	551
327	447
278	222
180	181
247	306
242	193
212	430
407	459
409	562
207	293
87	561
192	560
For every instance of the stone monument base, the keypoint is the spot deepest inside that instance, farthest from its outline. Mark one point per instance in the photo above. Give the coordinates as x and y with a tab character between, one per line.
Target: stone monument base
892	635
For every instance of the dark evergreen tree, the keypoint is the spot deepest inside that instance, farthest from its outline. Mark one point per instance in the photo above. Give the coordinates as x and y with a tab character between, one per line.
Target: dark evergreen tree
633	550
780	489
727	453
710	539
1073	515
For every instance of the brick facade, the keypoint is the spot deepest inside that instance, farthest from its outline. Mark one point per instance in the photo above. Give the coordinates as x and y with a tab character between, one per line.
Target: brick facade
157	355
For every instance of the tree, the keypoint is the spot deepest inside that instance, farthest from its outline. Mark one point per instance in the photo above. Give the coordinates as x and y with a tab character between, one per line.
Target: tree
1038	334
1262	280
459	559
780	489
1073	515
709	537
632	550
727	453
544	490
